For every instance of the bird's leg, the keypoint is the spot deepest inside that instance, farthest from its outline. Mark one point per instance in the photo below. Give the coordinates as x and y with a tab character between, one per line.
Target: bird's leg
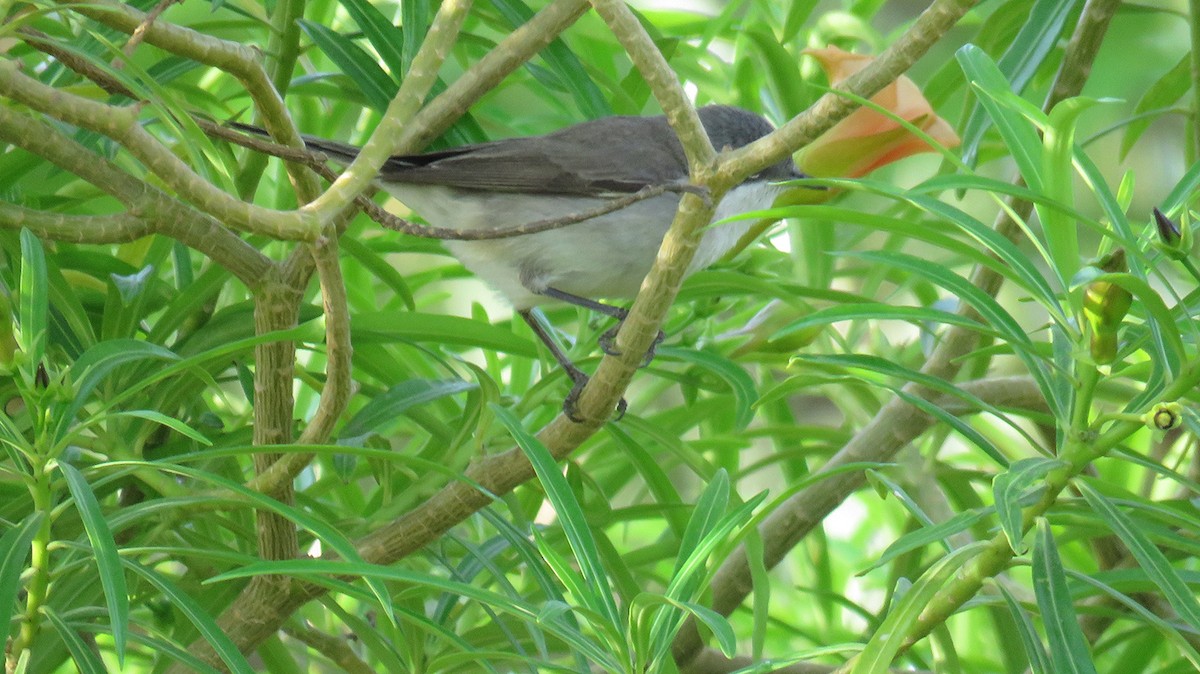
578	378
607	340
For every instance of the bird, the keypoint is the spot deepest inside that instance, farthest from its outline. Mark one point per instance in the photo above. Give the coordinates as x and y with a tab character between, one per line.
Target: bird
512	182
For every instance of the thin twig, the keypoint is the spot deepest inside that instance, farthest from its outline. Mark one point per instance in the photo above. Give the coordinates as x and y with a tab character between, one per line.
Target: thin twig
139	33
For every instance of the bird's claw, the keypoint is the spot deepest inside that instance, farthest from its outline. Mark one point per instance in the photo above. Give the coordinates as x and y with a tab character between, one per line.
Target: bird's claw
571	402
608	344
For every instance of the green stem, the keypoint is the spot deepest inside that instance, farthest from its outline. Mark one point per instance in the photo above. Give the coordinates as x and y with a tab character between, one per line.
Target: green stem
39	561
1079	450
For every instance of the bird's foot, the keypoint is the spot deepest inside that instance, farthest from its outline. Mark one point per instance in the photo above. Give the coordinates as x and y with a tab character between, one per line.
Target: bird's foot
608	344
571	403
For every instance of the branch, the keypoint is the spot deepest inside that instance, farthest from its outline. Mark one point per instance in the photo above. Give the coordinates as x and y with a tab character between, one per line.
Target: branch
159	212
121	124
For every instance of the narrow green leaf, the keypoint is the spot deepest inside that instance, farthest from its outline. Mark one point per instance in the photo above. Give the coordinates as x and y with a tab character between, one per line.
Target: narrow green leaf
319	569
388	40
741	385
885	643
1182	191
1010	490
170	422
329	534
1061	231
570	516
1068	647
934	533
1166	358
205	623
1035	652
1149	557
1039	34
375	84
14	551
397	400
991	88
34	306
1164	92
86	661
986	305
903	375
415	23
797	15
97	363
563	62
108	561
454	330
654	474
708	511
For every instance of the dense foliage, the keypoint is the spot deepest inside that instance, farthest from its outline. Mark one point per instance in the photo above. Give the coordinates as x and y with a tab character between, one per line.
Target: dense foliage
940	416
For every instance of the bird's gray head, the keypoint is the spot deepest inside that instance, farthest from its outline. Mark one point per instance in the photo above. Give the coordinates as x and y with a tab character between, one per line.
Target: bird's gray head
731	127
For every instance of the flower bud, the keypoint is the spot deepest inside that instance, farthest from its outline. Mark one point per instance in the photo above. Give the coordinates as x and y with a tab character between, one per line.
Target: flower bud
1164	416
1174	241
1105	305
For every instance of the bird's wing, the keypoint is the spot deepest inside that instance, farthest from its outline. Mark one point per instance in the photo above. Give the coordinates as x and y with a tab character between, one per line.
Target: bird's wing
569	162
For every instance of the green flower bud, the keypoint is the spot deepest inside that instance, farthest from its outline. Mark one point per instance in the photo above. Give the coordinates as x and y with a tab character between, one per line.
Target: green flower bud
1105	305
1164	416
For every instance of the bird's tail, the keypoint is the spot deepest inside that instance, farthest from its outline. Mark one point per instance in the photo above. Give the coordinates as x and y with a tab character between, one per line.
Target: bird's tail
340	153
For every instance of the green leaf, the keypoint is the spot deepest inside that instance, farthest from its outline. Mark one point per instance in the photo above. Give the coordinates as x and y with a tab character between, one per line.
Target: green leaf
86	661
160	418
14	551
885	643
1061	231
1010	490
904	375
397	400
1001	105
97	363
318	569
1068	647
391	326
1035	652
570	517
376	86
570	70
986	305
205	623
741	385
108	561
34	304
1149	557
389	41
934	533
797	15
1164	92
709	509
1039	34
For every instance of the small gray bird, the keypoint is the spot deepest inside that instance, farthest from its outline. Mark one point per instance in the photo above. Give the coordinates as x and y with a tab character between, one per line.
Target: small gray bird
509	183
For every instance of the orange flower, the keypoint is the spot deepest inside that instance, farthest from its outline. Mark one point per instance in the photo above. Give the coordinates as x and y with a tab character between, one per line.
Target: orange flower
867	139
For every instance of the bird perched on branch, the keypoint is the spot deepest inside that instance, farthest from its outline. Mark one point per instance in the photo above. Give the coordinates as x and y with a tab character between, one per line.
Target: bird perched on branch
509	183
